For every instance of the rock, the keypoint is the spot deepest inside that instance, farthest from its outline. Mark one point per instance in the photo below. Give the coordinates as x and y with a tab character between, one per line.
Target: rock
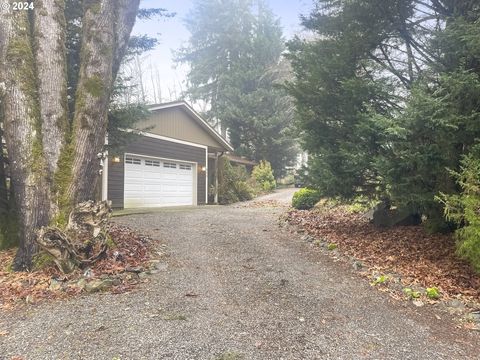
456	304
81	283
98	285
418	303
357	265
474	316
382	216
137	269
55	285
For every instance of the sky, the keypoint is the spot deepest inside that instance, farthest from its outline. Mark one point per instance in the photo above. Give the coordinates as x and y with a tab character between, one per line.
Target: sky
158	64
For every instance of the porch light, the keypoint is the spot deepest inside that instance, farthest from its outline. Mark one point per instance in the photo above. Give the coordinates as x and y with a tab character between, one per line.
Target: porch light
115	159
203	168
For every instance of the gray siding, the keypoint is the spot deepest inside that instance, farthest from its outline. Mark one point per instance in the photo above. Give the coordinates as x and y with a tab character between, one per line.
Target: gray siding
159	148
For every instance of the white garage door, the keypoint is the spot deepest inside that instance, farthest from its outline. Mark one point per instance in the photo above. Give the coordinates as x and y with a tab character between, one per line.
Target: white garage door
154	182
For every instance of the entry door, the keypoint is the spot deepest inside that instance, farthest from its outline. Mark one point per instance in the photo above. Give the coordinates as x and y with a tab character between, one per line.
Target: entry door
154	182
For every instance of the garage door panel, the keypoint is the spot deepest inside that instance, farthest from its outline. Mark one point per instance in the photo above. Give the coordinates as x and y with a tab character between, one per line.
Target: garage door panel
168	184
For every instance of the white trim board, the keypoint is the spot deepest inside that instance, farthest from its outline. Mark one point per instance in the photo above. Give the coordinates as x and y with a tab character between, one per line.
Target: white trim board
166	138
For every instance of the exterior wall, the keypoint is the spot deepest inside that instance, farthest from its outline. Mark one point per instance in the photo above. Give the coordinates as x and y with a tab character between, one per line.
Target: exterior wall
148	146
177	124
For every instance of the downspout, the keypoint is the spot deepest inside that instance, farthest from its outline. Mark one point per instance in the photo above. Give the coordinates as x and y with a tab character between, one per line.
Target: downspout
217	156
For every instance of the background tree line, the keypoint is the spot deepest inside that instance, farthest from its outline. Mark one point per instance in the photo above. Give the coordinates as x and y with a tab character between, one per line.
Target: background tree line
387	94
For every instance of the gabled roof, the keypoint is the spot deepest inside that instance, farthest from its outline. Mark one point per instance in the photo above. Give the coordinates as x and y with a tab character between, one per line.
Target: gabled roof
196	116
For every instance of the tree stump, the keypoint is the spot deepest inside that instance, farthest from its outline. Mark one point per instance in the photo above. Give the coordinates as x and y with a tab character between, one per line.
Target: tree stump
84	239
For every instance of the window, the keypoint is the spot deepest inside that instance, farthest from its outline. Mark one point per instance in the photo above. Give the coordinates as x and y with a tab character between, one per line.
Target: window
135	161
169	165
185	167
152	163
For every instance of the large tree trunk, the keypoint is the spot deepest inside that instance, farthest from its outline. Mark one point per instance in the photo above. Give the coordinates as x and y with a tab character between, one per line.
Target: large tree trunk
106	30
50	57
22	133
53	165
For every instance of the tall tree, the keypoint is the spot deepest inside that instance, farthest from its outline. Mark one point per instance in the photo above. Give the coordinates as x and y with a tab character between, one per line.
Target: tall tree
386	97
53	151
234	49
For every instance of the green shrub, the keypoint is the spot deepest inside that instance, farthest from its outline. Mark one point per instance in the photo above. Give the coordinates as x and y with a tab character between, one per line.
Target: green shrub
463	209
411	294
305	199
263	175
433	293
233	183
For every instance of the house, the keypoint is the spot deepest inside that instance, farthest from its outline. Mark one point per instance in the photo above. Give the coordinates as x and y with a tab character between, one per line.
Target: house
168	165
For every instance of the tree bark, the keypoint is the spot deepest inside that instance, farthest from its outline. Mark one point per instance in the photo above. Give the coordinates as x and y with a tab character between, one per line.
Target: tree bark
50	57
106	28
22	132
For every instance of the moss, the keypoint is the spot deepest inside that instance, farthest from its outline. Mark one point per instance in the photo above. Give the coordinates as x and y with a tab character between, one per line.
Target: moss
94	6
332	246
111	244
62	181
20	52
41	261
94	86
8	231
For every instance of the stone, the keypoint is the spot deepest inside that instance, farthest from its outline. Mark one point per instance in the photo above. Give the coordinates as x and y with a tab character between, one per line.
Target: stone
137	269
98	285
382	216
357	265
457	304
81	283
418	303
55	285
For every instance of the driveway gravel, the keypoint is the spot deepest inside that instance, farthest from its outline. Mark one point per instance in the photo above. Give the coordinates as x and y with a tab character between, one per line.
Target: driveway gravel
235	285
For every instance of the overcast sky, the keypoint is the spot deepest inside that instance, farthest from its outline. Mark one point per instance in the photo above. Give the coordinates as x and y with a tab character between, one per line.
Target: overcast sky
172	34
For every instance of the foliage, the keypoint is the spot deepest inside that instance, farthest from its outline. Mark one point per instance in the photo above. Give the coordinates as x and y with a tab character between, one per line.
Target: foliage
432	293
263	175
233	183
411	294
332	246
379	280
305	199
386	102
361	204
463	208
234	55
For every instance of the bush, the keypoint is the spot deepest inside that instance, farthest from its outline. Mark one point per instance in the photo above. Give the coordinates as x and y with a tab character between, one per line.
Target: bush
305	199
233	183
263	175
463	209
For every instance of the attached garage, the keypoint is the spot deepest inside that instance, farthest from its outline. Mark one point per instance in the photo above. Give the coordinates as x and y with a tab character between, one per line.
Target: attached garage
156	182
166	166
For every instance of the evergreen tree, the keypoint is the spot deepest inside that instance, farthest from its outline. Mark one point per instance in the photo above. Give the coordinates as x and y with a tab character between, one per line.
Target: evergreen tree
234	52
387	97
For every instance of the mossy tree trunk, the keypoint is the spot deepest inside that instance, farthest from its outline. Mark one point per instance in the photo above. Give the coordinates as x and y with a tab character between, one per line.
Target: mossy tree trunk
53	161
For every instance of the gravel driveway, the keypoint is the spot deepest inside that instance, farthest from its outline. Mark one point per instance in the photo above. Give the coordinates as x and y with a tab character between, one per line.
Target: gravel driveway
235	286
